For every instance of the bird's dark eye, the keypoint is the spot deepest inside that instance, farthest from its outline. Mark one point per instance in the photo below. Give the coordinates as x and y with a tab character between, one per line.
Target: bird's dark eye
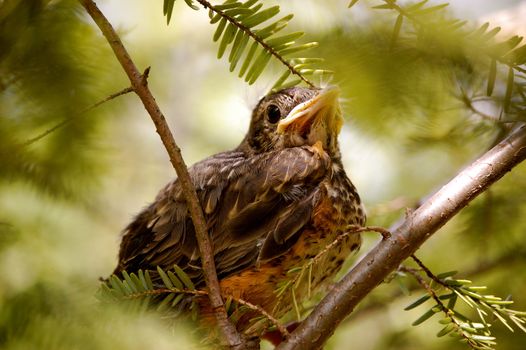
273	114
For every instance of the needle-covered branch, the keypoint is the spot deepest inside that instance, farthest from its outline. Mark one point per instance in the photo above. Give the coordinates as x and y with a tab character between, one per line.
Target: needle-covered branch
140	87
406	238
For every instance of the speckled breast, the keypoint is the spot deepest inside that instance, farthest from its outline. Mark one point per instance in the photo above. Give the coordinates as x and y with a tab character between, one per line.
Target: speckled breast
326	239
329	240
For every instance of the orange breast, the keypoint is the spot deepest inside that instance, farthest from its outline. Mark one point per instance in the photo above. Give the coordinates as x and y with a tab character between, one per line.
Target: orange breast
258	285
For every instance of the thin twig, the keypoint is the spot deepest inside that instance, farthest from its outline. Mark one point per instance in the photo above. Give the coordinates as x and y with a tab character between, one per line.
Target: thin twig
416	275
351	229
69	120
428	272
138	81
509	257
282	329
407	236
447	312
468	103
141	294
261	42
502	311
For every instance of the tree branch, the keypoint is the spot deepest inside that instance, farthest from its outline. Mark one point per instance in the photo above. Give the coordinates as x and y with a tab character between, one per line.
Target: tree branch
510	257
260	41
140	87
69	120
406	238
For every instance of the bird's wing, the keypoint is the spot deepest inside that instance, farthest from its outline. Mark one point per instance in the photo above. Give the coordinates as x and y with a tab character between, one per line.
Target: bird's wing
253	206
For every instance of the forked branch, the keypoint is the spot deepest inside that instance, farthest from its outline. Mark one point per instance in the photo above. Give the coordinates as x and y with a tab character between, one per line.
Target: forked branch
140	87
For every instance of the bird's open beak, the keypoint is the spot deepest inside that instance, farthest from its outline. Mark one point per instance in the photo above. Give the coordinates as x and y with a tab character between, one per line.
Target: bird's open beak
316	118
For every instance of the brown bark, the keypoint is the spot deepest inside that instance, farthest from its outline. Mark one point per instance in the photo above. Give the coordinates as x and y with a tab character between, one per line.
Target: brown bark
139	84
407	236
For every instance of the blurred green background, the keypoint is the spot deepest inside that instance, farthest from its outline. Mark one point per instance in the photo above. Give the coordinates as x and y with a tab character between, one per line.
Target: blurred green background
65	198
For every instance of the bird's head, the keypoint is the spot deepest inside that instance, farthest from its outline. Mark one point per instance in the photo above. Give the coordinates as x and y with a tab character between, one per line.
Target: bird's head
295	117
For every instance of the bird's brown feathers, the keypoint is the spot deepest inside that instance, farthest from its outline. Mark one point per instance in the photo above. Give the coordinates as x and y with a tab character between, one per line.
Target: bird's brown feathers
253	206
275	201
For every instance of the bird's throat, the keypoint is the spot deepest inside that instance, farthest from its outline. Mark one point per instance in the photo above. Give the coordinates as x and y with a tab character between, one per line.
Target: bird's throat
316	120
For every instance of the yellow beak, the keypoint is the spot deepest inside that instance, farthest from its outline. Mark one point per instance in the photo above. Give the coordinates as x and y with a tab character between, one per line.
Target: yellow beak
320	112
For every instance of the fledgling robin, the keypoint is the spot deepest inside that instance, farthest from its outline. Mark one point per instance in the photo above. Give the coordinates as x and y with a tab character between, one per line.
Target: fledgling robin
270	204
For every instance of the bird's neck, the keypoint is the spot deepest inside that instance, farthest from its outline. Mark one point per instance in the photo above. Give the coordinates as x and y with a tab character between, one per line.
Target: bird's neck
251	146
248	148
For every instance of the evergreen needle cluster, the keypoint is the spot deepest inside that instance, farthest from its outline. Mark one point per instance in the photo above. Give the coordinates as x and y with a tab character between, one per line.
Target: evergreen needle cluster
434	20
248	33
445	291
172	292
